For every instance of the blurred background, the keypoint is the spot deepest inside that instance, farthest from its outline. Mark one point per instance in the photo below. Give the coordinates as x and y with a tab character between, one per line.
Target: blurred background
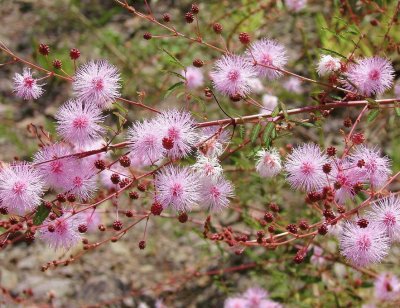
121	275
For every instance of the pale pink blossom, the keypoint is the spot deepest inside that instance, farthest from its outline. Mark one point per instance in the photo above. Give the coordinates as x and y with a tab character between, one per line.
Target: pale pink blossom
295	5
387	287
267	55
268	163
208	167
26	87
215	193
293	84
269	102
194	77
328	65
21	188
213	140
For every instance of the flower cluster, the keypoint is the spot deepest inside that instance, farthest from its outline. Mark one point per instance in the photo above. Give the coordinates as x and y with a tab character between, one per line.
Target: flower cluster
252	298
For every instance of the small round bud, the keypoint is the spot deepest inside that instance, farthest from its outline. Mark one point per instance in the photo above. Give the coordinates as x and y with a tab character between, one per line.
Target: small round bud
71	198
147	36
125	161
347	122
52	216
100	164
128	214
195	8
362	223
358	138
331	151
47	205
269	217
374	22
124	182
142	245
57	64
82	228
117	225
327	168
166	17
341	209
183	217
322	229
304	225
44	49
156	209
61	198
168	143
299	258
74	54
142	187
51	228
189	17
357	187
115	178
360	163
198	63
101	227
235	98
217	27
3	210
274	207
292	228
133	195
244	38
271	229
260	233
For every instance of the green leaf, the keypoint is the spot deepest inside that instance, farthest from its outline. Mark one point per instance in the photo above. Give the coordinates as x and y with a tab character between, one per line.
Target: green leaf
41	214
275	112
255	132
173	58
373	115
120	108
283	108
173	88
333	52
267	134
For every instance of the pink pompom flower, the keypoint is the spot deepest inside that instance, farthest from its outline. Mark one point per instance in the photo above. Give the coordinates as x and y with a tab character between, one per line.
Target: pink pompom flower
79	122
328	65
213	140
363	246
269	162
194	77
293	84
266	52
255	296
21	188
232	75
387	287
177	187
65	234
369	76
215	193
385	213
343	175
177	129
304	167
295	5
55	170
82	182
376	169
97	82
26	87
208	167
235	302
146	141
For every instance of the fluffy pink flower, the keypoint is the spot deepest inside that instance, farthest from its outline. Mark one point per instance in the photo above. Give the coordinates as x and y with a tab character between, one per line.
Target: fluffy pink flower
79	122
146	141
268	163
97	82
295	5
317	257
293	84
55	171
26	87
177	127
304	167
82	182
194	77
387	287
268	53
363	246
254	296
213	140
207	166
376	170
215	193
65	235
328	65
232	75
21	188
369	76
269	102
385	213
397	89
177	187
344	174
235	302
